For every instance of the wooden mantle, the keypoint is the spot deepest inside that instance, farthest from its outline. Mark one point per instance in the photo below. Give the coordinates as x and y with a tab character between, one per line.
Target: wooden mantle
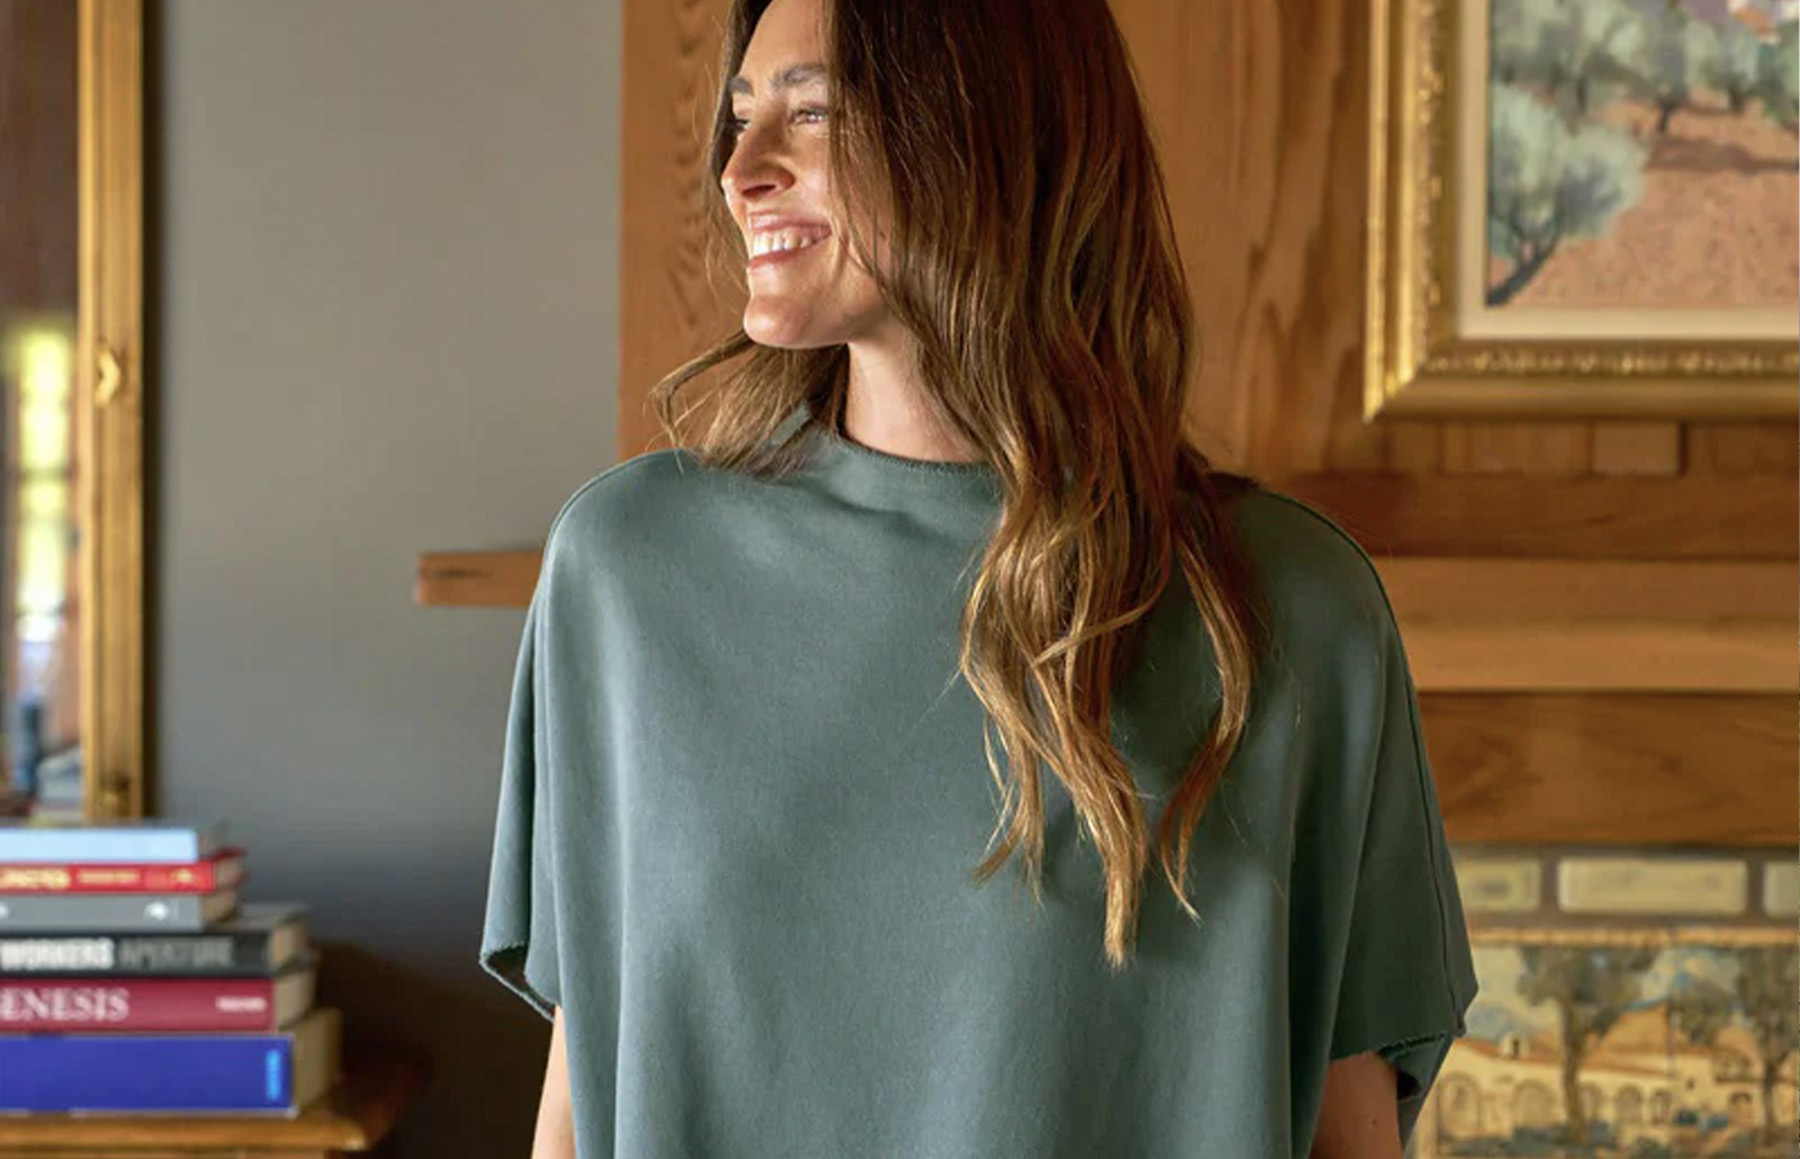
1497	646
1475	625
1641	634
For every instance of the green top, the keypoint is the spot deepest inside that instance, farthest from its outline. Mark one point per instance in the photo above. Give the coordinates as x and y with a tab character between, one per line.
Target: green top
744	787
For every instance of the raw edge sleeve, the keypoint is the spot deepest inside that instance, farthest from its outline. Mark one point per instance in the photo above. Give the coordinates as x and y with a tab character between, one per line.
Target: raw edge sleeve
519	934
1409	974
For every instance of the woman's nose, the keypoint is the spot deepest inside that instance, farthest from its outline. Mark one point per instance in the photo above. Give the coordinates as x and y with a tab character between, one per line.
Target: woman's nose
754	167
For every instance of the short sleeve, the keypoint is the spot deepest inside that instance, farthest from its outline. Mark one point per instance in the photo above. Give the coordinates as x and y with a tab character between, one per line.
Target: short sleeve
519	935
1408	975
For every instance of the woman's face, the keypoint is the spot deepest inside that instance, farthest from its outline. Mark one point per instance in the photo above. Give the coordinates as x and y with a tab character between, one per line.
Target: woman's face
806	288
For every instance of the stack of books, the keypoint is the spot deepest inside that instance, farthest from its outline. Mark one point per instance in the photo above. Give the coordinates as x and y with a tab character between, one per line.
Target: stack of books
133	981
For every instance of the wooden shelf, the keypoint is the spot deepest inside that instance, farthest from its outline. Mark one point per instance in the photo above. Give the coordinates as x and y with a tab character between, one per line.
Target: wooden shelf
1598	660
1567	625
1475	625
476	579
1615	769
1688	517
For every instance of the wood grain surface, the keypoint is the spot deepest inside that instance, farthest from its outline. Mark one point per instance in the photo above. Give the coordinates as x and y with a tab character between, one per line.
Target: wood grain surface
1713	770
1260	115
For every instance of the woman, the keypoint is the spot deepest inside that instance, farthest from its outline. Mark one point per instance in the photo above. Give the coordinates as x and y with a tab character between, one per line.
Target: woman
942	537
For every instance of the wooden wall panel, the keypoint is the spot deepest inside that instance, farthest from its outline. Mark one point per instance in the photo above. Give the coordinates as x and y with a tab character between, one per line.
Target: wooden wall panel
1637	448
1260	112
1608	769
1260	116
1542	449
1690	517
672	308
1771	448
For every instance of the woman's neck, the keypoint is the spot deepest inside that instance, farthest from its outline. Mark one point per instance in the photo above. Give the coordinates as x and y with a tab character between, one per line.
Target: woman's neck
886	409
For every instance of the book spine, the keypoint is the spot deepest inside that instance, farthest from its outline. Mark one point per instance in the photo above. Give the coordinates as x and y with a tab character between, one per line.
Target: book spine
28	912
243	955
197	877
81	846
123	1073
88	1006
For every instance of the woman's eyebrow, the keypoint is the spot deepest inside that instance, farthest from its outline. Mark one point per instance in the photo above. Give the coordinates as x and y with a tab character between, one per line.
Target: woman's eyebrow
790	77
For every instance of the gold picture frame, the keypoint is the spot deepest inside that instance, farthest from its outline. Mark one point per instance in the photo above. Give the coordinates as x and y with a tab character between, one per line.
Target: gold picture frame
110	394
1427	220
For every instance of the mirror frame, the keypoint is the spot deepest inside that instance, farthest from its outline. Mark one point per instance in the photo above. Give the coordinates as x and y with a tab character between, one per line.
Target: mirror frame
109	404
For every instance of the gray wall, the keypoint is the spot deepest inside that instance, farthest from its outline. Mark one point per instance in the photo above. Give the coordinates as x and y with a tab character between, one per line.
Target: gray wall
383	304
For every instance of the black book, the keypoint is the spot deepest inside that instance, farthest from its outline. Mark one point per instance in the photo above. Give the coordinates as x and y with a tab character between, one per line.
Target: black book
256	942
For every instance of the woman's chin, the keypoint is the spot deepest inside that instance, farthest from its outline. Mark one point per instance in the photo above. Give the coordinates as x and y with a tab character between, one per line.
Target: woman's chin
777	327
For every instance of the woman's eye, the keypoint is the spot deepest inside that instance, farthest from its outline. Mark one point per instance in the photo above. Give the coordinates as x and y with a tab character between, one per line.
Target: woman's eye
735	126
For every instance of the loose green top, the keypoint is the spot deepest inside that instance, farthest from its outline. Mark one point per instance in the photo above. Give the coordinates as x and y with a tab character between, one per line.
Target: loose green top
744	786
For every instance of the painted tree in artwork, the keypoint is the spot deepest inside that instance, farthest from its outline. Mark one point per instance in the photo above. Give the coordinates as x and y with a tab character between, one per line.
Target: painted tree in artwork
1700	1010
1767	982
1516	38
1590	988
1573	50
1550	181
1672	59
1736	66
1779	84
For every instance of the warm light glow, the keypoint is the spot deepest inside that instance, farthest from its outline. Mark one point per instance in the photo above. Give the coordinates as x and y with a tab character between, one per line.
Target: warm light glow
41	357
46	380
43	548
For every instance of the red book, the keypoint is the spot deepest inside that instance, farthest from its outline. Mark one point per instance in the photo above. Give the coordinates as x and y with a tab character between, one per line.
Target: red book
223	870
170	1005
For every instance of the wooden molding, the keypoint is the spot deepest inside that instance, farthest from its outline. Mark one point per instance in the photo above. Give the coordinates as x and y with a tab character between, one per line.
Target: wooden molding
1636	448
1597	625
1603	656
1614	769
1690	517
1546	589
109	369
1474	625
1498	647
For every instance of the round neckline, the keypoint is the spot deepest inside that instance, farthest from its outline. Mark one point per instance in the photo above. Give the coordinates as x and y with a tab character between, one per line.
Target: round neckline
884	460
877	478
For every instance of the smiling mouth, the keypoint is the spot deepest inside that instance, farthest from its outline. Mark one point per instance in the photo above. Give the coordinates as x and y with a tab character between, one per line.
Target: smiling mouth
777	250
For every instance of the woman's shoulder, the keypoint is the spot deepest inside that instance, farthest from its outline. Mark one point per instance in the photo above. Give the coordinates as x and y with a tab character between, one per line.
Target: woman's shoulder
623	489
638	497
1314	573
634	510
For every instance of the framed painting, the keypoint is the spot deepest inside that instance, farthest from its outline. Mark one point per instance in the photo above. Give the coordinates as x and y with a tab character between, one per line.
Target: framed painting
1584	208
1648	1042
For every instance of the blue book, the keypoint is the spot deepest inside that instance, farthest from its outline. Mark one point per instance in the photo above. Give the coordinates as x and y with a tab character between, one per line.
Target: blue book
178	1074
62	841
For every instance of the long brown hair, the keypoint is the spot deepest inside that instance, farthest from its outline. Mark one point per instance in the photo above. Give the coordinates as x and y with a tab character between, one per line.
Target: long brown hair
1033	258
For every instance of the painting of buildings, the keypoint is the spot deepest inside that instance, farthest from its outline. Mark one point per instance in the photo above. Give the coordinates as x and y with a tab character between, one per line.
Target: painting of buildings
1609	1049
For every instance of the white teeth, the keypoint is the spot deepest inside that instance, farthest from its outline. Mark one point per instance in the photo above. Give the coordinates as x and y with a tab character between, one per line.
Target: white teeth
786	239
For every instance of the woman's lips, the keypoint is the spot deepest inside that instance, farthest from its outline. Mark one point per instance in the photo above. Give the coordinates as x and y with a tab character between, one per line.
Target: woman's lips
777	257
